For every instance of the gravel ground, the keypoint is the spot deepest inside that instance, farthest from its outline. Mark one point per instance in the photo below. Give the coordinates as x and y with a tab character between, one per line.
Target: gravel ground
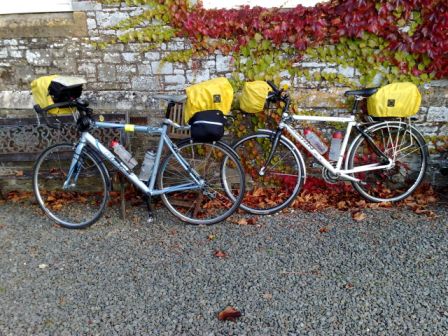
290	274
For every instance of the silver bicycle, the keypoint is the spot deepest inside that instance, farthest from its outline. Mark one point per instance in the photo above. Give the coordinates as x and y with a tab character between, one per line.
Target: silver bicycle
200	183
385	161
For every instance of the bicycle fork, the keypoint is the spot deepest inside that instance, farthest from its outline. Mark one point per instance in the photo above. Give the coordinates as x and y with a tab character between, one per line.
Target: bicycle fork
75	167
275	142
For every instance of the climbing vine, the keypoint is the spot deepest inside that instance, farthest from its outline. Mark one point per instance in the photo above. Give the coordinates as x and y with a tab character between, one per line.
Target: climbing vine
383	40
396	39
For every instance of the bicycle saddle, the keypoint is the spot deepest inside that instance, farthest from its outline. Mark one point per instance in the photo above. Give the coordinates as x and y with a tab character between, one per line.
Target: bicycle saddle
363	92
170	98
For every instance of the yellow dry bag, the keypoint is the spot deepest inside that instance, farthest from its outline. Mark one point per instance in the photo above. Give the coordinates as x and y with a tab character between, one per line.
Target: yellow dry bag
71	87
399	100
253	97
214	94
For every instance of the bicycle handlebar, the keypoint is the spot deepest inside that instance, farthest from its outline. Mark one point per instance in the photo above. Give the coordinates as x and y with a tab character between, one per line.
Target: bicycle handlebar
273	86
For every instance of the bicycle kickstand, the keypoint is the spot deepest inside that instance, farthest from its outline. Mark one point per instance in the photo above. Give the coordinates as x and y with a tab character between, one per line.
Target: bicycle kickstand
149	207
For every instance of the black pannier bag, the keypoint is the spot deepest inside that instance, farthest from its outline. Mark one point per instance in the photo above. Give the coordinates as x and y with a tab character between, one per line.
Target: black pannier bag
207	126
64	89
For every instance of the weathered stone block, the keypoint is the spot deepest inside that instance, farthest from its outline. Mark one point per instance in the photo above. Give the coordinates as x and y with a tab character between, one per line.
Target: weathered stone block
329	70
15	53
39	25
87	68
112	58
198	75
108	19
144	69
143	83
3	53
65	65
346	71
38	57
91	24
10	42
152	56
16	100
174	88
130	57
428	130
176	79
331	98
125	72
85	6
223	63
437	114
159	68
106	73
176	45
311	65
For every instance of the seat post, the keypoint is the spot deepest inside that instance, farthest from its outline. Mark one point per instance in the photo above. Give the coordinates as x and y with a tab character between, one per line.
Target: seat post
356	104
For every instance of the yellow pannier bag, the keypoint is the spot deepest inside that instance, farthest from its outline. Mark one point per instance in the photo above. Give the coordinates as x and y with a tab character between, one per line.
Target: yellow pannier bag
399	100
40	91
253	97
214	94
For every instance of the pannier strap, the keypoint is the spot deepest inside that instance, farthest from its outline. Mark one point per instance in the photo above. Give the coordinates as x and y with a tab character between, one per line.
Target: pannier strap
363	92
169	98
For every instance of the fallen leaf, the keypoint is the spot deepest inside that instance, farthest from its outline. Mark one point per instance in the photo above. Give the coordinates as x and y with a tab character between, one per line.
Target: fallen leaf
341	205
359	216
220	254
252	220
242	221
324	230
211	237
229	314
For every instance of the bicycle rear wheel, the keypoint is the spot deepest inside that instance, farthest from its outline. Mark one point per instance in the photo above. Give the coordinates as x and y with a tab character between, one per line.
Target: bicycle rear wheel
222	193
83	202
402	144
282	179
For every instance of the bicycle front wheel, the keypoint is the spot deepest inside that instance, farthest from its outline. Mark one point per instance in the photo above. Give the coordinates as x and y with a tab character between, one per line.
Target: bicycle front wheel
276	188
404	146
82	202
223	188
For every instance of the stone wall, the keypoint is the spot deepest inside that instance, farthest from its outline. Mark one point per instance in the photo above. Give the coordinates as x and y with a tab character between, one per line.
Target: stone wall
124	78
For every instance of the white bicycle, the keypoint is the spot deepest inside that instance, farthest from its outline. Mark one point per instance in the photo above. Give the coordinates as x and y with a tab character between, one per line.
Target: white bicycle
385	161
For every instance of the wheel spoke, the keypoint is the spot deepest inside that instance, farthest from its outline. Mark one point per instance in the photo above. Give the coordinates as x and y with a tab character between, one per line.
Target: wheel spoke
408	153
281	180
82	203
218	198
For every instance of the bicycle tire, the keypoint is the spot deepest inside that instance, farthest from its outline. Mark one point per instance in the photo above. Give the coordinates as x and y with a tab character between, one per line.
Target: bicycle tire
67	207
211	204
283	179
394	139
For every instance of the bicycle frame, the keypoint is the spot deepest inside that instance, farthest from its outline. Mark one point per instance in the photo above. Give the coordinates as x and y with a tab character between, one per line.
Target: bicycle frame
336	170
87	139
